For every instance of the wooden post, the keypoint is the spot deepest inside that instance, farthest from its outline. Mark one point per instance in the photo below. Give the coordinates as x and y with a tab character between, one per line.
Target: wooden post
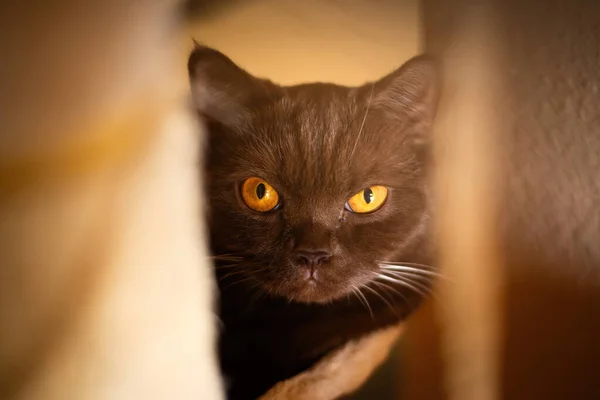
105	291
519	225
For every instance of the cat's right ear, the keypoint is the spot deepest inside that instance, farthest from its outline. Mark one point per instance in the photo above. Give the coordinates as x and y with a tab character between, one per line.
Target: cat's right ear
410	96
221	90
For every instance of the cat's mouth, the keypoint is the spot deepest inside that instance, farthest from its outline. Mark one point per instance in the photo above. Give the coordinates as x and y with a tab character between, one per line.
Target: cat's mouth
313	288
305	287
311	292
309	284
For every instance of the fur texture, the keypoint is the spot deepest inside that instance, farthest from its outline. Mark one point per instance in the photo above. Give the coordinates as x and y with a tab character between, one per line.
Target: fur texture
341	372
317	145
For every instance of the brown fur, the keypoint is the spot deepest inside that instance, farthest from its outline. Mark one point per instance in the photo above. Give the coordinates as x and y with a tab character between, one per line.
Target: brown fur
317	144
341	372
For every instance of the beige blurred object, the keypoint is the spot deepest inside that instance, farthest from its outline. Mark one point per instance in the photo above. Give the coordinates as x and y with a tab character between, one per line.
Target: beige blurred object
340	373
456	341
467	131
105	288
342	41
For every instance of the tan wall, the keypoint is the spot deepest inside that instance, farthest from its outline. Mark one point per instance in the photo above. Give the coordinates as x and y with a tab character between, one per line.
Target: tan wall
291	41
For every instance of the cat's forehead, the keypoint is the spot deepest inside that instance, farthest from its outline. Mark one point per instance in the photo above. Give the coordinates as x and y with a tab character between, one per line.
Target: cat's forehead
313	117
321	137
318	110
315	126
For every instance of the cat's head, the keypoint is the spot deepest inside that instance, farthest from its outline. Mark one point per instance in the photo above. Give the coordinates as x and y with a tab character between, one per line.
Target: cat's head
313	187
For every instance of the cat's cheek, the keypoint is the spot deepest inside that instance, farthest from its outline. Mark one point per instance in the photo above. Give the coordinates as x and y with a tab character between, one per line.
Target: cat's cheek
262	230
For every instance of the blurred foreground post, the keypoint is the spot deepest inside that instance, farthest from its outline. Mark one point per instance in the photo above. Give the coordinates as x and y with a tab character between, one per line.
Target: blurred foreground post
454	343
105	292
523	319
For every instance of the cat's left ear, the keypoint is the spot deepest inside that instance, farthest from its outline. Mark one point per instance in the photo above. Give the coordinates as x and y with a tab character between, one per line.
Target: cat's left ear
221	90
409	95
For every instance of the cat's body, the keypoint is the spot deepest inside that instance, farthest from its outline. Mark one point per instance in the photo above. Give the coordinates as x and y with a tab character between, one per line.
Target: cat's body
330	242
267	340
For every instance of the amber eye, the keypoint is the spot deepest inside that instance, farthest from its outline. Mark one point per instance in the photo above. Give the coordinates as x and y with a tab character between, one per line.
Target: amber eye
368	200
259	195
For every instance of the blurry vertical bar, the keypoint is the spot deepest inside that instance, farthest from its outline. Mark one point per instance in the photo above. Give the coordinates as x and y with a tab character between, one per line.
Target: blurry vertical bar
455	343
105	288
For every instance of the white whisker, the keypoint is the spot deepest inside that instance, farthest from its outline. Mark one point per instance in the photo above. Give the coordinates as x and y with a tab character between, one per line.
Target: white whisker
362	298
230	274
403	283
414	270
362	125
382	299
406	263
408	268
407	278
418	277
390	288
427	291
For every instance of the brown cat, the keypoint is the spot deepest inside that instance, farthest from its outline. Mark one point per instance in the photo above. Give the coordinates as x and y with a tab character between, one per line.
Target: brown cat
319	212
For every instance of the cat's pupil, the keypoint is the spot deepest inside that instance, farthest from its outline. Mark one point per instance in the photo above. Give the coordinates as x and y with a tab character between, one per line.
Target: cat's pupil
260	191
368	195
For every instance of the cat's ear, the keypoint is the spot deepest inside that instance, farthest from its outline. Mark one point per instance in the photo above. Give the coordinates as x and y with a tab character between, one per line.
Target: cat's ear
409	95
221	90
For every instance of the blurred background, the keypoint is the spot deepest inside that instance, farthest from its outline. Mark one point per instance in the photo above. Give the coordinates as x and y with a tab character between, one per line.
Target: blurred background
290	41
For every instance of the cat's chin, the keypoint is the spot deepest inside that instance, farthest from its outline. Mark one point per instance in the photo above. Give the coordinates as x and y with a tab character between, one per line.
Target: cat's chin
312	293
332	284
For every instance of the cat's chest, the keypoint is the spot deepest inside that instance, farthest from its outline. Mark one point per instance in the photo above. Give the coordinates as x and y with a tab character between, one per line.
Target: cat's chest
261	345
283	331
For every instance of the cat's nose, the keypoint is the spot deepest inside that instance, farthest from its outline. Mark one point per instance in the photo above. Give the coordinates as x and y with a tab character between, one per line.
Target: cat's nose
312	257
